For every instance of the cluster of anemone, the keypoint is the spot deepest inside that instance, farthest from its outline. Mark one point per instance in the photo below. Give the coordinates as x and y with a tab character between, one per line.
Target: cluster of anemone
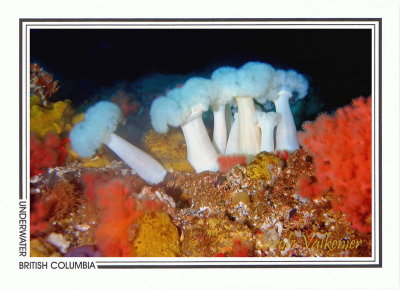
251	131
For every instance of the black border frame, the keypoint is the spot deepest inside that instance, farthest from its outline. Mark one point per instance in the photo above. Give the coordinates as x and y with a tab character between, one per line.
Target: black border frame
182	21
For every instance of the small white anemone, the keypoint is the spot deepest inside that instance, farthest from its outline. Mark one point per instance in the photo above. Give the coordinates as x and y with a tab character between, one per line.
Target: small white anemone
232	144
224	79
285	84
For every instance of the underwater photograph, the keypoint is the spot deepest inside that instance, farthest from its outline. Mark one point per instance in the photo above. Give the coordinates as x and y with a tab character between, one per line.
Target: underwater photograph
201	142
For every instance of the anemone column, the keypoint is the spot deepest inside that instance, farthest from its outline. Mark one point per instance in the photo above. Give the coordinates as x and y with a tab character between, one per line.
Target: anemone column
286	132
219	134
232	144
249	134
146	166
267	123
200	151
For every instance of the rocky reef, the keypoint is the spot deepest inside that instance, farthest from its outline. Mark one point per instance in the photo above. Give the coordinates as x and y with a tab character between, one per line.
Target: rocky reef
205	215
303	198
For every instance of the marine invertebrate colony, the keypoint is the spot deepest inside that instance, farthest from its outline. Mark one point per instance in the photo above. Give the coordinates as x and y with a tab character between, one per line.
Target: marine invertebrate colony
54	204
342	164
53	118
169	149
46	153
117	214
254	80
227	162
157	236
241	197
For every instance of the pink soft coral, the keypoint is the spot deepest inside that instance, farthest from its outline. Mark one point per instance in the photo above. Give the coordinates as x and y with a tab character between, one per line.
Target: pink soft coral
227	162
341	149
117	211
40	215
46	153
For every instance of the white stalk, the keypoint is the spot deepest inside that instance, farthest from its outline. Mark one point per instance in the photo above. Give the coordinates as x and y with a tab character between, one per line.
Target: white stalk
267	122
267	136
200	151
232	144
286	133
219	134
249	134
145	166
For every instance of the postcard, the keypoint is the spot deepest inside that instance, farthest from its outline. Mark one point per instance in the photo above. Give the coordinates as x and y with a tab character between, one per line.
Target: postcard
200	145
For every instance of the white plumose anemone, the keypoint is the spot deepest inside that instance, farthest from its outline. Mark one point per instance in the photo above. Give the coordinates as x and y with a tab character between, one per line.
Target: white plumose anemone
254	79
226	87
284	85
192	100
98	128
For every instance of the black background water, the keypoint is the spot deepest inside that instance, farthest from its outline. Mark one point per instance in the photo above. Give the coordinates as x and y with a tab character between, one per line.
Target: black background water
337	61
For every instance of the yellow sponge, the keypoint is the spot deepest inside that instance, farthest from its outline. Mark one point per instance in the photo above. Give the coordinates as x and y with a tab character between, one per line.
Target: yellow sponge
169	149
54	119
262	165
157	236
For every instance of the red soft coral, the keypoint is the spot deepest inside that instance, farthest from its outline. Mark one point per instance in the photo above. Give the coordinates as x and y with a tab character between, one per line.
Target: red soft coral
92	181
46	153
54	204
227	162
41	213
341	149
117	211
